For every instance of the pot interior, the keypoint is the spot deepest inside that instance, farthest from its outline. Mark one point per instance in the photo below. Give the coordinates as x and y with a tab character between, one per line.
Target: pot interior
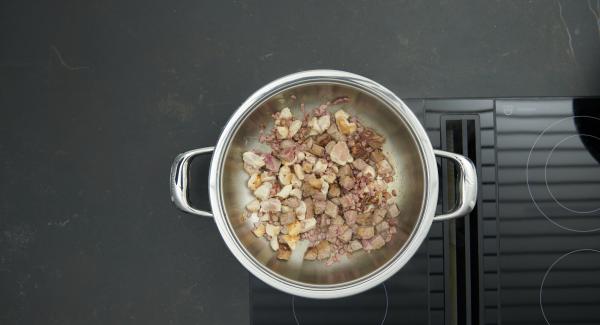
401	148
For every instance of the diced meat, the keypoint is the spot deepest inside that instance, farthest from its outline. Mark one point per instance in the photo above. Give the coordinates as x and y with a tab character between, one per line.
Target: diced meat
335	133
297	193
274	243
287	218
373	139
332	232
329	176
294	127
355	245
334	191
365	232
310	212
375	243
253	160
317	150
348	201
250	169
382	226
263	191
345	170
308	224
271	163
285	191
337	220
253	206
294	229
393	211
340	154
319	206
270	205
350	217
272	230
331	209
299	171
285	114
284	253
384	168
346	235
313	181
359	164
379	215
320	166
300	210
345	127
311	254
329	146
323	250
364	219
254	181
347	182
291	202
291	241
285	175
323	139
377	156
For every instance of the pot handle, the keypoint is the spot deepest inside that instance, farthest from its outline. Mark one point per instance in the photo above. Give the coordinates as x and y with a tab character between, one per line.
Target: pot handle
179	181
467	185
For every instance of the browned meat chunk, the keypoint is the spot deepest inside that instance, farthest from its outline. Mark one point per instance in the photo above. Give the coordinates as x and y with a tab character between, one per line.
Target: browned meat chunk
359	164
345	170
310	212
311	254
379	215
365	232
317	150
334	190
331	209
364	219
383	226
346	235
323	250
375	243
319	206
384	168
350	217
291	202
377	156
354	246
347	182
348	201
284	252
287	218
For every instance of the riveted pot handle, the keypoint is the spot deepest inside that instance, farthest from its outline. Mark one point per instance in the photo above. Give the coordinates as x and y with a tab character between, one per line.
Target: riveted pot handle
179	181
467	186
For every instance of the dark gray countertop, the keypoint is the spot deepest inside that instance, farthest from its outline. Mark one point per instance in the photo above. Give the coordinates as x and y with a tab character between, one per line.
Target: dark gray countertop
96	99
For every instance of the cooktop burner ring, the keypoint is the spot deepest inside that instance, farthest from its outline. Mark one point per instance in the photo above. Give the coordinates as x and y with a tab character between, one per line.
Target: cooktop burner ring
535	203
546	173
548	272
382	320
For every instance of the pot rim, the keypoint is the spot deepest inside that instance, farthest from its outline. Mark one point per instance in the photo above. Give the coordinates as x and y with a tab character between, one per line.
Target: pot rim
371	279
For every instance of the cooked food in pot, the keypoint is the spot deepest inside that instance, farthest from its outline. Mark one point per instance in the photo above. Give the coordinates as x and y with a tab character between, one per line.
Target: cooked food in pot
325	181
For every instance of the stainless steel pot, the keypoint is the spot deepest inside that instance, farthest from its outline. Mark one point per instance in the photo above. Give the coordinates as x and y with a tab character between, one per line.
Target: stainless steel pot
406	144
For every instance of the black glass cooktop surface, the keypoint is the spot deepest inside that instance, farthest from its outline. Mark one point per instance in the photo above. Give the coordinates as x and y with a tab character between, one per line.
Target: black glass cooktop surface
530	251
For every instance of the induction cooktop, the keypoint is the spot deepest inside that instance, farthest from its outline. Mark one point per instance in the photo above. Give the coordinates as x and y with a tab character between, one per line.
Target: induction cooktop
529	253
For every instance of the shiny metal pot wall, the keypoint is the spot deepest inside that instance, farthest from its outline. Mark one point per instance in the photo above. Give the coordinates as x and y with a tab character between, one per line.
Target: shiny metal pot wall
406	144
